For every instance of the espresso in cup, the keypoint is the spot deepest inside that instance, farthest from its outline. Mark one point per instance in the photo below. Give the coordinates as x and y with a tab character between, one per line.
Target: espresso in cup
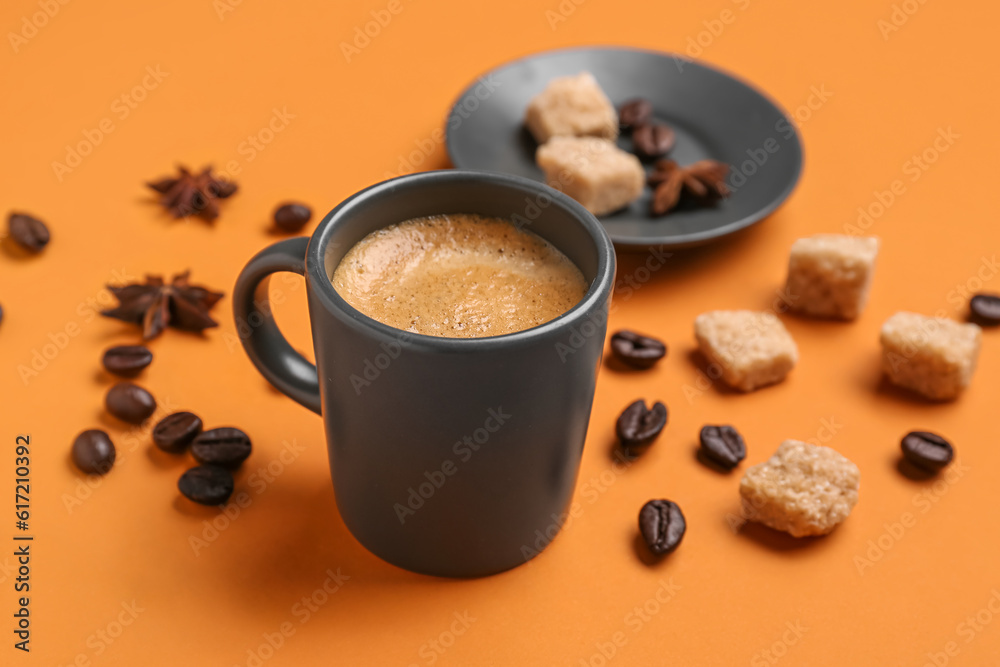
458	276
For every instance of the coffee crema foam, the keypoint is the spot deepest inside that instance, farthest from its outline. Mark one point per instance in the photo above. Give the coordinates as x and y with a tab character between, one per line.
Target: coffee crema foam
458	276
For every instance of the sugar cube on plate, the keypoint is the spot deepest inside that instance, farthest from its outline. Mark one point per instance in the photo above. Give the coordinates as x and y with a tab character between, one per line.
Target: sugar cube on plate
572	106
593	171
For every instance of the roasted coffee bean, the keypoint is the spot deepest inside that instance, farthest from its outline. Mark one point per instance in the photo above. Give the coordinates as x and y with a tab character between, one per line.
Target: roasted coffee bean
130	402
28	232
175	432
207	485
637	350
126	360
985	309
93	452
662	525
927	450
634	113
228	447
651	141
638	427
292	217
723	445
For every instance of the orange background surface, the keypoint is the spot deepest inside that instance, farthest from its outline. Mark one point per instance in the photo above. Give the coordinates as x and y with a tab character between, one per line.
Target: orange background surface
124	542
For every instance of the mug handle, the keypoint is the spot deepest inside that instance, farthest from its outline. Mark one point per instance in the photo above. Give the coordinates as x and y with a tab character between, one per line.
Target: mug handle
276	360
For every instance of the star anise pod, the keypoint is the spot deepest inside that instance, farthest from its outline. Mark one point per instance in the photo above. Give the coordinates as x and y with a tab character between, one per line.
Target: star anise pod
704	180
193	194
667	192
155	304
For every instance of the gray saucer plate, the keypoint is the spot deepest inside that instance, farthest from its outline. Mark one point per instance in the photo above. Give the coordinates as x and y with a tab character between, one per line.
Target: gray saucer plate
714	115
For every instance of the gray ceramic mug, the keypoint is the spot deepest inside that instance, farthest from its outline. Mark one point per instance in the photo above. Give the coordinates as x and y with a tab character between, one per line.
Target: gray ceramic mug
453	457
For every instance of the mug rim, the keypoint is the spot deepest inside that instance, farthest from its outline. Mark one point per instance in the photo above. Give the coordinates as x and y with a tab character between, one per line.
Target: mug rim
322	286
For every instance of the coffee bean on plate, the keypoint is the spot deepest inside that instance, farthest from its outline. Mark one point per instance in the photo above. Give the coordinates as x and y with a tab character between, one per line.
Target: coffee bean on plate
207	485
93	452
723	445
228	447
127	360
28	232
130	402
634	113
652	141
175	432
638	426
292	217
926	450
662	525
985	309
637	350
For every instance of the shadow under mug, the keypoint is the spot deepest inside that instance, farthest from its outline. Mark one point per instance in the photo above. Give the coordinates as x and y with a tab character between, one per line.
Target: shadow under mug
451	457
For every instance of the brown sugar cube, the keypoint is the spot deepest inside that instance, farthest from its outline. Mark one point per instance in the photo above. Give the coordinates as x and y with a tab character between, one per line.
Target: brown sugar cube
802	489
573	106
932	356
595	172
751	349
829	275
